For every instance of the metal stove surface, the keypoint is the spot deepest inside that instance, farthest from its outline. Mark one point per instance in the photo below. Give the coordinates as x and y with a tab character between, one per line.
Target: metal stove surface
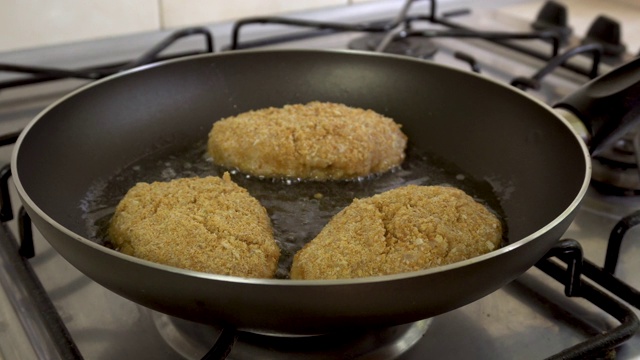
529	318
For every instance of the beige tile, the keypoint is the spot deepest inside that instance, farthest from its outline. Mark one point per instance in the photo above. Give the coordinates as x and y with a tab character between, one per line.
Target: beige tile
176	13
32	23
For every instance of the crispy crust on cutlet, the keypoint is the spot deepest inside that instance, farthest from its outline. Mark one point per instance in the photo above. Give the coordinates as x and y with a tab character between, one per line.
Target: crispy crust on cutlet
319	141
203	224
406	229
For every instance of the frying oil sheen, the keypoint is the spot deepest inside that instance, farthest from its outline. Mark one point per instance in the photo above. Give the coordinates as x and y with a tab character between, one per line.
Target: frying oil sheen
298	209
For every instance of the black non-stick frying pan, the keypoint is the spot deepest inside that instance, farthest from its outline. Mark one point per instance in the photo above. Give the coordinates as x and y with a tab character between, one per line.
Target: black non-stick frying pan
538	165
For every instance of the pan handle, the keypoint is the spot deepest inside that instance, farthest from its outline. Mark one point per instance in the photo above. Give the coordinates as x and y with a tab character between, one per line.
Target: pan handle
608	106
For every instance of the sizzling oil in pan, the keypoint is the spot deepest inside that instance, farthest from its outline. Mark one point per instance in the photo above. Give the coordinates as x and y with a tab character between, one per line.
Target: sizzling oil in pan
298	209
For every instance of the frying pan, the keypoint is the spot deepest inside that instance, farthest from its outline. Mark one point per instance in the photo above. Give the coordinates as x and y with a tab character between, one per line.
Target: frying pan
492	131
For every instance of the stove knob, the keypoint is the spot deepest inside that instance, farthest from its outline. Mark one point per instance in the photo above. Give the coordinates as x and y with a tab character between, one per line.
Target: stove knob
553	16
606	32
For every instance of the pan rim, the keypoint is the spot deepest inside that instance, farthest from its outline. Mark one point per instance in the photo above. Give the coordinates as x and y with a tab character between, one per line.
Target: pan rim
289	282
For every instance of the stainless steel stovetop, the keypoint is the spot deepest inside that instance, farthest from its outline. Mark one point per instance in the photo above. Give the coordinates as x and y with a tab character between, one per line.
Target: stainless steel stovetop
530	318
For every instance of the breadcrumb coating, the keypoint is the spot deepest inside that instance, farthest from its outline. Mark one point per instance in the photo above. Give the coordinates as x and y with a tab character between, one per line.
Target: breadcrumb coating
204	224
406	229
318	141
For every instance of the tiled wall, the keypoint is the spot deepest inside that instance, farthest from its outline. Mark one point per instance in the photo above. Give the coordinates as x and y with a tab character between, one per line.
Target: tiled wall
34	23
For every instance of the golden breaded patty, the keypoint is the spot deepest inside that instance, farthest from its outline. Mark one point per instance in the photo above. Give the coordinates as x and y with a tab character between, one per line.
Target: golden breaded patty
205	224
406	229
319	141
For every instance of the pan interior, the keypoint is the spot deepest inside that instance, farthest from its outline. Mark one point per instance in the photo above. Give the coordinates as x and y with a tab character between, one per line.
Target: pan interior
492	134
298	209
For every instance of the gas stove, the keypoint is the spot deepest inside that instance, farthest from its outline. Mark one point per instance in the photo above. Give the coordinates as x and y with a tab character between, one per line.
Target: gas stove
50	310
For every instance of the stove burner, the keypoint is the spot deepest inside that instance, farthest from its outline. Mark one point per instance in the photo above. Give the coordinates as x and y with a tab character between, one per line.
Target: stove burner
615	178
193	340
419	47
615	171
